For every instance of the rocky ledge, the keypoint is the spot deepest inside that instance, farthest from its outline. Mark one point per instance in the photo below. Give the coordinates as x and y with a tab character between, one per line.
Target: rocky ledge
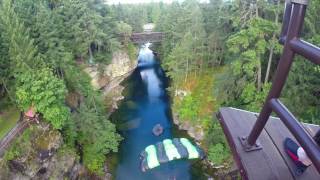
108	78
194	131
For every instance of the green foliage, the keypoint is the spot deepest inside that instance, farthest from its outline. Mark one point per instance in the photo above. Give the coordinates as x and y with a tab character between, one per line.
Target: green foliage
41	41
134	15
4	61
35	84
301	94
189	108
20	146
41	89
132	51
197	108
124	30
94	162
21	51
95	134
9	116
249	48
41	68
253	100
217	153
302	90
251	44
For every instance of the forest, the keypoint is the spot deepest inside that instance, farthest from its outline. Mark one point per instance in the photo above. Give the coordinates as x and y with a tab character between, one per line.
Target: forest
231	48
221	53
40	44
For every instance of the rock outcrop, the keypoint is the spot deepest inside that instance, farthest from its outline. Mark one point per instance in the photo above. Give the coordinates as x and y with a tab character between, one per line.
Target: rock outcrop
194	131
38	158
108	78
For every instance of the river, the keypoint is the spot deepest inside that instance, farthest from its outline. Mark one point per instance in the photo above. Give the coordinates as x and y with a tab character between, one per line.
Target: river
146	104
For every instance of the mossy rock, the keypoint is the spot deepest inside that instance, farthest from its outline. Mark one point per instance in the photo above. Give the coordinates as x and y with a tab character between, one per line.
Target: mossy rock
73	99
48	140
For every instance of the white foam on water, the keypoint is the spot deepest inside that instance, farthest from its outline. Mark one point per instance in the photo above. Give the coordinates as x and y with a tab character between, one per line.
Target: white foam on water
149	76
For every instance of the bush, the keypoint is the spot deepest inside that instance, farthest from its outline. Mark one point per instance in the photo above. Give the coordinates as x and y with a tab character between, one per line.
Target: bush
41	89
218	153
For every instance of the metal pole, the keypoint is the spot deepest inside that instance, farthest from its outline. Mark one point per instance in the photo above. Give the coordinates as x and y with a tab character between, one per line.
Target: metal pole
285	23
295	26
309	51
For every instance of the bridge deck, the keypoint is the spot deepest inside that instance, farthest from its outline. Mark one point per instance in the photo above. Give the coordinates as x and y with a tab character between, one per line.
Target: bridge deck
144	37
270	162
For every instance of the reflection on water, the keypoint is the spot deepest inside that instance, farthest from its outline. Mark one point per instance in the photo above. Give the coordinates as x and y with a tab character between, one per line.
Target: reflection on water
145	107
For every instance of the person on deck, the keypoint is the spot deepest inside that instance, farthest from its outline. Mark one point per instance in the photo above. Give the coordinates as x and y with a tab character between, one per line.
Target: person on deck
298	155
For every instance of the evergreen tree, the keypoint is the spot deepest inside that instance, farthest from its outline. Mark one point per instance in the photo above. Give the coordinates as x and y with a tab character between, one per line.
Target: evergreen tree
35	84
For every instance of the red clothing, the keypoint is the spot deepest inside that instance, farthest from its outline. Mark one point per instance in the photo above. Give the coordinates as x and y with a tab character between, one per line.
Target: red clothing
30	113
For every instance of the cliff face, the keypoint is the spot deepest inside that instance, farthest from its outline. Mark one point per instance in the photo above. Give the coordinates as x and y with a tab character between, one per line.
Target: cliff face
120	66
108	78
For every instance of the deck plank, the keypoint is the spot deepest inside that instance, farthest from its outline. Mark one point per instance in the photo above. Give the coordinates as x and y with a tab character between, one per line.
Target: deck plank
262	164
272	161
275	157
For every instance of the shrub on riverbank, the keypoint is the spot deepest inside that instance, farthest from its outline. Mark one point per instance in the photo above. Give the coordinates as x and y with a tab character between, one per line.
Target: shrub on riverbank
197	106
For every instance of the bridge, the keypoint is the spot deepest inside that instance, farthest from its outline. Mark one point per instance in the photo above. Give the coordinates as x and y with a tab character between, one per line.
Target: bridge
144	37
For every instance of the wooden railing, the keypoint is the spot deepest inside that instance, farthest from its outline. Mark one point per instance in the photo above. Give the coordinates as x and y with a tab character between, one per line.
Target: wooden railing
290	38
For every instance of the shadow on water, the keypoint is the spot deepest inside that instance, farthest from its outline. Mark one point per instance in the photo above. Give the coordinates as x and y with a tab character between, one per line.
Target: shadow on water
146	104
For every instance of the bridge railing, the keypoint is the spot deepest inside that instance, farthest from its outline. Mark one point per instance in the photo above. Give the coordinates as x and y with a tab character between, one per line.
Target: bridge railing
147	37
290	38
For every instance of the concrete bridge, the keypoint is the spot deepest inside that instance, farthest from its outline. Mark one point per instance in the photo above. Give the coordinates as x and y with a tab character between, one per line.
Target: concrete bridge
144	37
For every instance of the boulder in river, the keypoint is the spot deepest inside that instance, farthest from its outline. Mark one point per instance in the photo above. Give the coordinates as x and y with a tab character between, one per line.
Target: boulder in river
157	130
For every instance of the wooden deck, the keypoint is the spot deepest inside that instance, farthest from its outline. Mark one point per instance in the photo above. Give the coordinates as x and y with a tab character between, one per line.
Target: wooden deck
270	162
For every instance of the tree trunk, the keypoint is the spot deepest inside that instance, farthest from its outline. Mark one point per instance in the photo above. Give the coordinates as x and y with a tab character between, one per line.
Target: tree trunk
90	55
7	90
259	77
269	60
257	9
272	46
187	70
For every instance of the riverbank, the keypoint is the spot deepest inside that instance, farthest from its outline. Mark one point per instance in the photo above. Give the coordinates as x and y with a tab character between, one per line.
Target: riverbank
194	103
